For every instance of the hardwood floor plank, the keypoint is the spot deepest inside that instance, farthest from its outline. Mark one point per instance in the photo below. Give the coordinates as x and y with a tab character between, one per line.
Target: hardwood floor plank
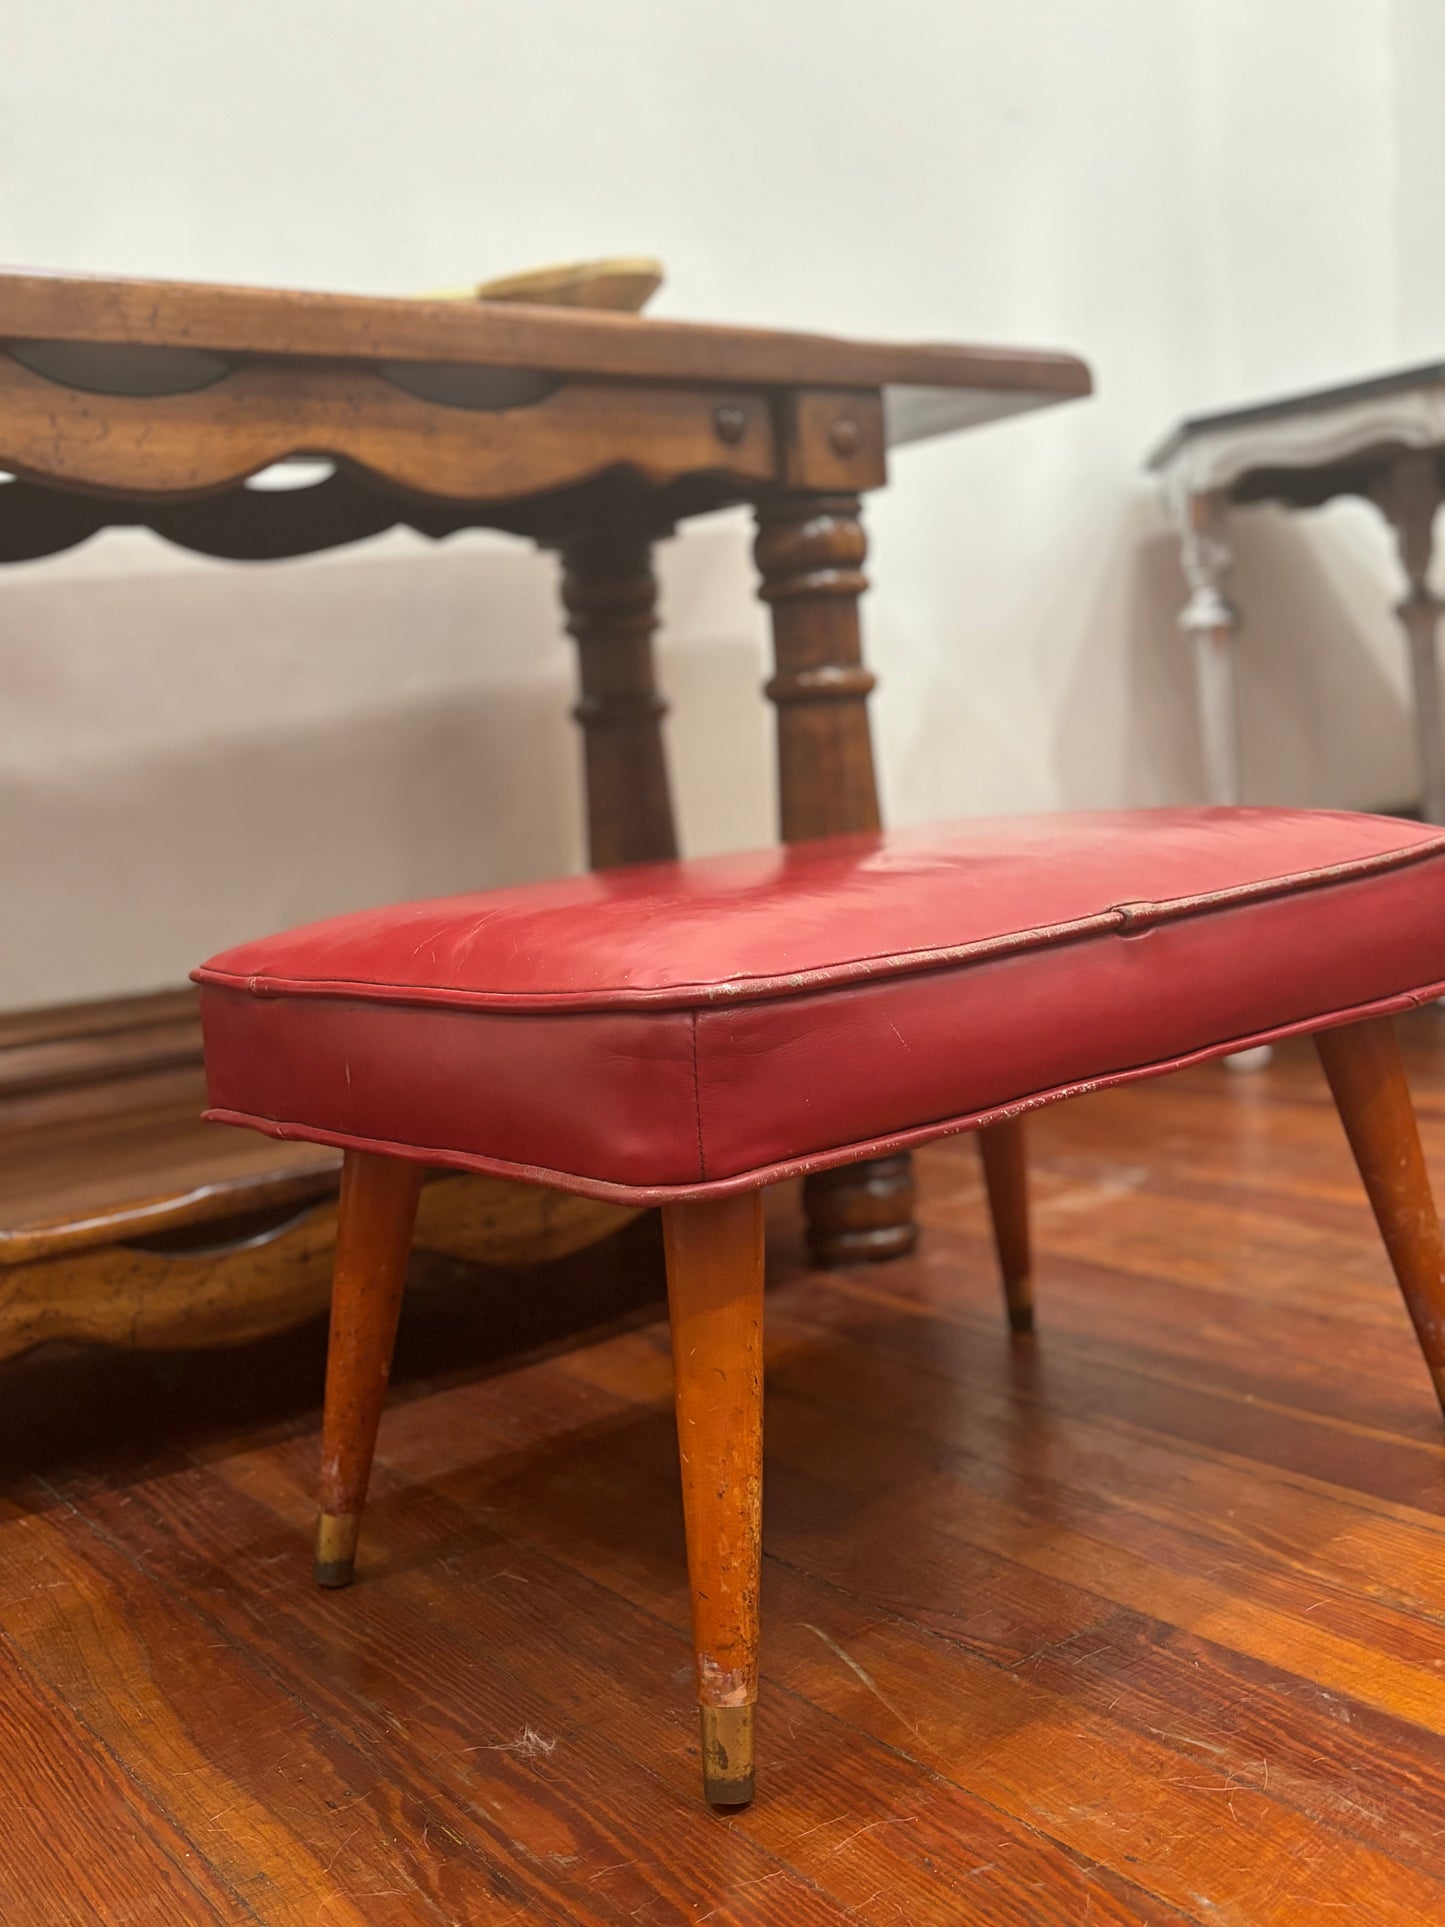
565	1505
573	1826
1373	1549
245	1770
901	1439
84	1844
1344	1766
817	1637
1203	1402
1350	1644
503	1593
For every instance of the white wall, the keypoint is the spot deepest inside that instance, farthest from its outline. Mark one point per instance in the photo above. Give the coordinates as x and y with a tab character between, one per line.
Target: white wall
1203	196
1418	58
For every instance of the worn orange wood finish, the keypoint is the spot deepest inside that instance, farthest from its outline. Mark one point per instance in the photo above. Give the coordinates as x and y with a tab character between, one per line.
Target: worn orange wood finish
378	1209
1135	1622
1367	1077
715	1305
1004	1150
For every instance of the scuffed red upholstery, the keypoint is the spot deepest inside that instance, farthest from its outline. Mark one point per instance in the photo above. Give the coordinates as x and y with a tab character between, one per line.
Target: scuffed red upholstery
648	1032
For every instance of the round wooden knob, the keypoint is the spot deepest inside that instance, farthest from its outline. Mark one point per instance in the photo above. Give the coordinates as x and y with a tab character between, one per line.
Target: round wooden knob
844	435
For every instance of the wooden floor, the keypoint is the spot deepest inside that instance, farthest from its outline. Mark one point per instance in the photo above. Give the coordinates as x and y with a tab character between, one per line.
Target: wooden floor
1142	1620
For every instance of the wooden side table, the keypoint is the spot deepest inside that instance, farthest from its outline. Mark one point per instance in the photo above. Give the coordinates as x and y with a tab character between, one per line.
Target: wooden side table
1383	440
128	403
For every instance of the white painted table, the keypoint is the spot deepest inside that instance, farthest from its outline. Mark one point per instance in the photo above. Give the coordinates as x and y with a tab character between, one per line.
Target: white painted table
1382	439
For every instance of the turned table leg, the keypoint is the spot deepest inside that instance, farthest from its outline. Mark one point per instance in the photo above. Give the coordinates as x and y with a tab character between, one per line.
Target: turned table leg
1210	621
810	551
610	594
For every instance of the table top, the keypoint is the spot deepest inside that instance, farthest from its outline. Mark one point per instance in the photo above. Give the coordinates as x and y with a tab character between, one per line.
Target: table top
1309	401
929	388
1304	448
255	423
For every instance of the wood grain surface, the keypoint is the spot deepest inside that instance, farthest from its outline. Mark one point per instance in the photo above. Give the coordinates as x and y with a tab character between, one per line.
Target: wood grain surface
191	444
1141	1619
271	321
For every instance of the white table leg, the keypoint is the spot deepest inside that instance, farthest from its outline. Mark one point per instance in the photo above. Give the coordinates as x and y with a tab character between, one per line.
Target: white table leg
1211	623
1218	708
1408	493
1420	618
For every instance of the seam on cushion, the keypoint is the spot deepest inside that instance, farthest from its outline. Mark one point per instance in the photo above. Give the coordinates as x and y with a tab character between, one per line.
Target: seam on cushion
1121	917
697	1103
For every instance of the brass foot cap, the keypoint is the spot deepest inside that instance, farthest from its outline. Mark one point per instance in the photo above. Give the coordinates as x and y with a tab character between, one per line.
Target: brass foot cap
727	1755
336	1536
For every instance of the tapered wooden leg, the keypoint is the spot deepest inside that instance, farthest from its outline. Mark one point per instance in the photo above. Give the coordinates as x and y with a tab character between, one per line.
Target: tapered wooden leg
378	1208
1005	1173
715	1298
1367	1077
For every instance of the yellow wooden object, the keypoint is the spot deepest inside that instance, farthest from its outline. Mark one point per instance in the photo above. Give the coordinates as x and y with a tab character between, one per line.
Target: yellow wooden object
625	285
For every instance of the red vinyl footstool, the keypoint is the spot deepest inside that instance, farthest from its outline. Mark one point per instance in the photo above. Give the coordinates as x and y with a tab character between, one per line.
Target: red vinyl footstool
683	1034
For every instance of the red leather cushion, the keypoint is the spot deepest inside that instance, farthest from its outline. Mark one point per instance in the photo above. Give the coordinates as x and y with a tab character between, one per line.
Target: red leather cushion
645	1032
